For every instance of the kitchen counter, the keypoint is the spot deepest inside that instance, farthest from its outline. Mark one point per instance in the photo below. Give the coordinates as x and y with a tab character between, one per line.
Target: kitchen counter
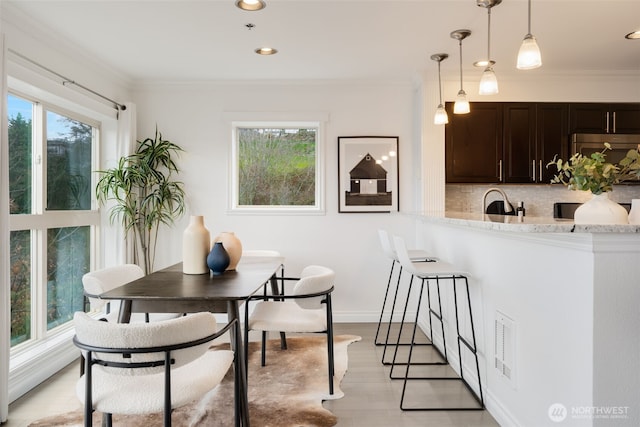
570	294
527	224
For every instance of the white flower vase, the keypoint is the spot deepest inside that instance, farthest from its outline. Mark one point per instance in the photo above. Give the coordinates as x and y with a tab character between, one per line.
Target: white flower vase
634	214
232	245
601	210
195	246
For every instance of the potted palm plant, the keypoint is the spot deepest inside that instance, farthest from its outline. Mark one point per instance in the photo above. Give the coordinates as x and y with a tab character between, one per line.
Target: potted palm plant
593	173
144	193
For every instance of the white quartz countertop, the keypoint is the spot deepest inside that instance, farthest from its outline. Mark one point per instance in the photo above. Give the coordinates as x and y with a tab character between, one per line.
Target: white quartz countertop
527	224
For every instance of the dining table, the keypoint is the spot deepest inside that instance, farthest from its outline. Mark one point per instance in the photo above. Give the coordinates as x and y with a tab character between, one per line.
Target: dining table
171	291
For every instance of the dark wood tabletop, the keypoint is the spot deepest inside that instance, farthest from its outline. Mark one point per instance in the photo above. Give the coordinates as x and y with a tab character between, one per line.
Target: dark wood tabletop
170	290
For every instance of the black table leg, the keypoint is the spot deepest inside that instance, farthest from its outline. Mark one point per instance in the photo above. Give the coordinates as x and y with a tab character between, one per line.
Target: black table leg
241	396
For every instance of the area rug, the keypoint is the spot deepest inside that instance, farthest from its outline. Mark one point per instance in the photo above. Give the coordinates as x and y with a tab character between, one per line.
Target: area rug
288	392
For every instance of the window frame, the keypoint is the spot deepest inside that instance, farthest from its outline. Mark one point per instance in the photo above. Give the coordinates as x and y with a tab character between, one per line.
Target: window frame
318	208
40	219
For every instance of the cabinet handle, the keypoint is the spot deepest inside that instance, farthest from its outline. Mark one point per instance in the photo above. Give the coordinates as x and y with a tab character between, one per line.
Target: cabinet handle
500	170
606	129
533	169
614	122
540	178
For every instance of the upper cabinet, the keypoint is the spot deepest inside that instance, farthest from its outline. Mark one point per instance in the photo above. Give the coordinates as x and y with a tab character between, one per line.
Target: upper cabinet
505	142
473	144
604	118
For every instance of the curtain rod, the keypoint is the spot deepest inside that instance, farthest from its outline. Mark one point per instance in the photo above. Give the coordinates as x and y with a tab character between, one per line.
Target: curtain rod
66	81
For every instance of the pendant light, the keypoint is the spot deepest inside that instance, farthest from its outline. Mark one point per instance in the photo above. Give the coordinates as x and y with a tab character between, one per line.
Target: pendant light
461	105
489	81
441	117
529	54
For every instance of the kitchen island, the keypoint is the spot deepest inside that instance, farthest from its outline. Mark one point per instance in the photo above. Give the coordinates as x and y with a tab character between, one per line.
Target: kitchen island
556	307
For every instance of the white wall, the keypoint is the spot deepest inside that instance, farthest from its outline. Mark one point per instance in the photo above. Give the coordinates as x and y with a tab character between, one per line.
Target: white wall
192	115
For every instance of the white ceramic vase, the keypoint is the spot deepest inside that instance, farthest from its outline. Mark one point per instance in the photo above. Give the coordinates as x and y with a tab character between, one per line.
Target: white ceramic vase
195	246
232	245
601	210
634	213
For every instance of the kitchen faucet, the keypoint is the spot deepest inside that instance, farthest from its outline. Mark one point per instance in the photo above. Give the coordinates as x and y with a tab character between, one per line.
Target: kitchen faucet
507	205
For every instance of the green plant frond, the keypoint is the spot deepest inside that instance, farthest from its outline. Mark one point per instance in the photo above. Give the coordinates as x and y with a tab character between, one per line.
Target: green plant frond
143	192
593	173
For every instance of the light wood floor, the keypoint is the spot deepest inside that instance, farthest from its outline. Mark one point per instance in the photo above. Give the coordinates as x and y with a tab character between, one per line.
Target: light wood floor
371	398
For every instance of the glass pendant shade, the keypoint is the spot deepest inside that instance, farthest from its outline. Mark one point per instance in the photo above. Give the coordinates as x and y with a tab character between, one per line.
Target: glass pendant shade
529	54
488	82
461	105
441	117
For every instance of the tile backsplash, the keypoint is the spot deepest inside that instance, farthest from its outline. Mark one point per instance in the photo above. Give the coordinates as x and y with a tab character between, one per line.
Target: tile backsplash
538	199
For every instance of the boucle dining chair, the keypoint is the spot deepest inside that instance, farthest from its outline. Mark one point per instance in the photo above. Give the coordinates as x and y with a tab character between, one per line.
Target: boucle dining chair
307	309
100	281
143	368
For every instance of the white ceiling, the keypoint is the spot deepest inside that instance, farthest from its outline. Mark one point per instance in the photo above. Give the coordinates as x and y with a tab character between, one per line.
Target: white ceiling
184	40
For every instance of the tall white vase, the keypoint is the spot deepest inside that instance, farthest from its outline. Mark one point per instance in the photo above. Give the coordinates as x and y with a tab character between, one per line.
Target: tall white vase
232	245
195	246
634	214
601	210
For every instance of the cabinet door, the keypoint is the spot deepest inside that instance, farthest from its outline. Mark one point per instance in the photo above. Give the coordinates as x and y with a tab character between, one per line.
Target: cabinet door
625	118
552	137
588	118
519	138
473	150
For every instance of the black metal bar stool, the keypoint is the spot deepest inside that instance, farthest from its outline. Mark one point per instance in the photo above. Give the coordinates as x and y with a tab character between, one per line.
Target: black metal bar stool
416	256
437	272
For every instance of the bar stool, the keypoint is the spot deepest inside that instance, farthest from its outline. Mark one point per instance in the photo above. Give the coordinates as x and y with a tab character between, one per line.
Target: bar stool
416	255
438	271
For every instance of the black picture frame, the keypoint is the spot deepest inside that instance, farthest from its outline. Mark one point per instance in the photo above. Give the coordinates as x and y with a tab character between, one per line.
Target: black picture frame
368	174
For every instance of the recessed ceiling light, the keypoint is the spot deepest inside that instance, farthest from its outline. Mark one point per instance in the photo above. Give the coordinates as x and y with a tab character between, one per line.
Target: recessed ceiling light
251	5
633	35
266	51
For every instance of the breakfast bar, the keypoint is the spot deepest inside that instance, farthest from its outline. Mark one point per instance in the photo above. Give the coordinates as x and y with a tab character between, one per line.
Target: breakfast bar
556	312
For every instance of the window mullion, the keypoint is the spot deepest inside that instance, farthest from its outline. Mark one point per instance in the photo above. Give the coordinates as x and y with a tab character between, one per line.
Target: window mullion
39	160
37	251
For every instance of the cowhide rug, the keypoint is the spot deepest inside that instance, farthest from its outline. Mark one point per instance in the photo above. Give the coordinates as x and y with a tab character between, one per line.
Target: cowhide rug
288	392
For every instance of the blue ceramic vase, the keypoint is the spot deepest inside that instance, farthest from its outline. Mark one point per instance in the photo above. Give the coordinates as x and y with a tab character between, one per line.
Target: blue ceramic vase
218	259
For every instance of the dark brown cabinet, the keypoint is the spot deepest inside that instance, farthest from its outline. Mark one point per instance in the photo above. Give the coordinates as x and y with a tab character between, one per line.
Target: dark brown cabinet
533	134
473	144
604	118
505	142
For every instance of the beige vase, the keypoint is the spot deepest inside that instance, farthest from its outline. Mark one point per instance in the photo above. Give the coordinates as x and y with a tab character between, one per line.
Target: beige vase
232	245
195	246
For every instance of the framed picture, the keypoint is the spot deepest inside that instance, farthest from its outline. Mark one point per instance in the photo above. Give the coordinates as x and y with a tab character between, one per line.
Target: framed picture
368	174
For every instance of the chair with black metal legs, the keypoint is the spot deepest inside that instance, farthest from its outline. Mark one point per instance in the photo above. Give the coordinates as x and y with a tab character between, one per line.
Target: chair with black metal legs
416	255
439	271
307	309
144	368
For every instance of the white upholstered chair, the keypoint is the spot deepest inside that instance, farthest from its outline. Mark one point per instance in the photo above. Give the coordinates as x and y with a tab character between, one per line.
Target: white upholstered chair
99	281
307	309
143	368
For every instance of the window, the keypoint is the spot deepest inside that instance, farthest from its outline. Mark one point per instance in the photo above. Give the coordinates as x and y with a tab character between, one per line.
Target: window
276	167
51	159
